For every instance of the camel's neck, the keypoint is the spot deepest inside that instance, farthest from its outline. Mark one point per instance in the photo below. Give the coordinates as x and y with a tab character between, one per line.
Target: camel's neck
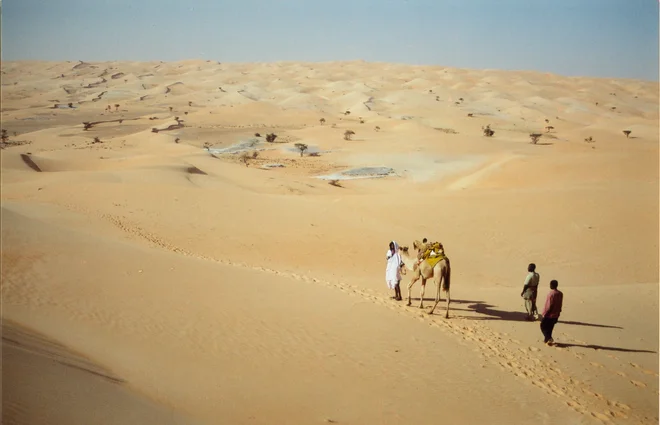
408	259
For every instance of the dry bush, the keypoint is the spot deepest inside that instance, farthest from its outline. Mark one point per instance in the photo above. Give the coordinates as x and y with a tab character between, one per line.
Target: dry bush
548	128
322	121
627	132
589	139
535	137
348	134
301	147
270	138
487	131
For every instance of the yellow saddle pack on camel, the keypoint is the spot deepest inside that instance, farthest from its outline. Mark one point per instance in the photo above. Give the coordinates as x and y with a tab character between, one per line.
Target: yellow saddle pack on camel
434	253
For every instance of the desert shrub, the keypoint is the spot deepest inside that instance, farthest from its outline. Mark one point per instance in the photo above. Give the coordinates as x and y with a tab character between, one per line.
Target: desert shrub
270	138
335	183
301	147
627	132
322	121
348	134
377	128
4	136
589	139
257	135
535	137
548	128
488	132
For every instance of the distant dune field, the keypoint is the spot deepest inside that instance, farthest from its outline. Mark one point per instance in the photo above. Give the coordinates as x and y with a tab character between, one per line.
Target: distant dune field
163	262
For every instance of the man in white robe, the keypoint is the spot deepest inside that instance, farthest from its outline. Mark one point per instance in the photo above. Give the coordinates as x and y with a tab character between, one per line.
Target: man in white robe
393	270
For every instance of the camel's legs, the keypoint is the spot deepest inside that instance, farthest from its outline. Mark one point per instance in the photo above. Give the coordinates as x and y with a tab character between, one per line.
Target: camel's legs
421	294
447	311
437	295
410	285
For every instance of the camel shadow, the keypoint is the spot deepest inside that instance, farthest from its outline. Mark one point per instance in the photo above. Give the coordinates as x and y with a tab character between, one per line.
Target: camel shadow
518	316
600	347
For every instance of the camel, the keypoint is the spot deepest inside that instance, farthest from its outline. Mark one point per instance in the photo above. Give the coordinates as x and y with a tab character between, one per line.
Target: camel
441	273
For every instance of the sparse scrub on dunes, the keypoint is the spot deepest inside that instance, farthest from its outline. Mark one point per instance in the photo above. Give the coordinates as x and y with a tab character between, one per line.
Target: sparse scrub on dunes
535	137
627	133
446	130
348	134
246	157
87	124
301	147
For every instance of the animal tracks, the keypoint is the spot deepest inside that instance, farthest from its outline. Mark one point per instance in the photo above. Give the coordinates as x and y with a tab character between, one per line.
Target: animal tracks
511	355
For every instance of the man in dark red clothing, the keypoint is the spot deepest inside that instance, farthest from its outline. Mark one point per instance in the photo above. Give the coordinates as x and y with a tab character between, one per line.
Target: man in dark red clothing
551	311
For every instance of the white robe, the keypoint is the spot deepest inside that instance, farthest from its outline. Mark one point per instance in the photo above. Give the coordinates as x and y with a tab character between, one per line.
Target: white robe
393	269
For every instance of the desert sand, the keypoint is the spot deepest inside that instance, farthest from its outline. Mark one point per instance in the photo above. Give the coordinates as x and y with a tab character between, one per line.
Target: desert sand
154	276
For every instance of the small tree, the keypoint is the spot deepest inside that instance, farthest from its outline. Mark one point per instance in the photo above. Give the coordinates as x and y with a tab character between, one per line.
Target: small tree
189	103
488	132
322	121
437	98
347	113
627	132
176	140
301	147
171	109
270	138
245	158
4	135
470	115
589	139
548	128
348	134
116	107
70	105
377	128
257	135
535	137
361	120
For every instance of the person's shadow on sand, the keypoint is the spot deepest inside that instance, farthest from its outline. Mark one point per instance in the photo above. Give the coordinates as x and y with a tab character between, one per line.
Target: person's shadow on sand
518	316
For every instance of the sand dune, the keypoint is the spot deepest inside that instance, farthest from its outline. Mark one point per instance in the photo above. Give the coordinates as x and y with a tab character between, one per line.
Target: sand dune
159	276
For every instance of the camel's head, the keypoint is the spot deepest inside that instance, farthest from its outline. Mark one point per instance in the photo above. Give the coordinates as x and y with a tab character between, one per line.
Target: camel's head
403	249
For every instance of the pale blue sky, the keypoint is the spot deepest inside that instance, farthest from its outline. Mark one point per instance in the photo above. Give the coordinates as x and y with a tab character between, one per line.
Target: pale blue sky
602	38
